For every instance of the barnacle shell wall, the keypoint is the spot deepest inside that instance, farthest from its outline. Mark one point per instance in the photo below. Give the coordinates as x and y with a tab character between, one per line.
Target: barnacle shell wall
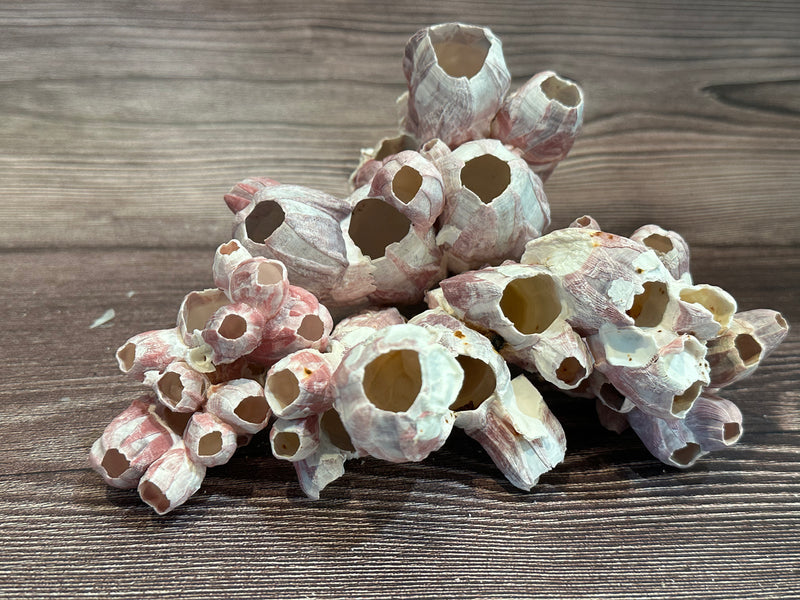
455	200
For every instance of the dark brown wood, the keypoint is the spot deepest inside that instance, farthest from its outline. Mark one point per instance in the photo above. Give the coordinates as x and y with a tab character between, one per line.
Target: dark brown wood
123	124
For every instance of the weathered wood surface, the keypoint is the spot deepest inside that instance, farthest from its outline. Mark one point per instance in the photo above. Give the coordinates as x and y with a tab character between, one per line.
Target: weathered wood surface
121	126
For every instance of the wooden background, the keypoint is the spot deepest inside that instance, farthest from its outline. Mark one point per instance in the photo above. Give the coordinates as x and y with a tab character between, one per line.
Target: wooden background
122	124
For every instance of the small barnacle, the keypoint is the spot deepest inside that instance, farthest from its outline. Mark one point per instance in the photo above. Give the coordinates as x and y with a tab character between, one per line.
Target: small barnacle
209	440
130	444
542	119
171	480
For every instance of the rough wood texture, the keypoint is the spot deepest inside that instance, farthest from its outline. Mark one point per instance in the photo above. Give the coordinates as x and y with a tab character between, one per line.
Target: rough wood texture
121	126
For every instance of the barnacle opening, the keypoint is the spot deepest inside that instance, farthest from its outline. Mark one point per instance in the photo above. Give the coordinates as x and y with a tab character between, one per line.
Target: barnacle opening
114	463
781	321
683	402
393	380
611	397
731	432
712	300
176	421
171	387
648	308
286	444
229	248
658	242
210	444
686	455
487	176
269	274
531	304
232	327
460	52
561	90
570	371
264	219
311	328
584	221
253	409
153	496
331	423
479	383
406	184
284	387
395	145
126	356
199	306
375	224
748	348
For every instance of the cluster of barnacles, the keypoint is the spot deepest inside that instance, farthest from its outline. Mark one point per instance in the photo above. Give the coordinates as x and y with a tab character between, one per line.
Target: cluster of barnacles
458	188
458	192
206	378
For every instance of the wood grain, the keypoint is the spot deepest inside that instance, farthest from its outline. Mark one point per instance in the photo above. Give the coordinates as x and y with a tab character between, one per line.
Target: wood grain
123	124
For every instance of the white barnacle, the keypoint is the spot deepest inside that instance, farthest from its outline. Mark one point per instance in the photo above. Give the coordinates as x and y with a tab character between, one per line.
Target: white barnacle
394	391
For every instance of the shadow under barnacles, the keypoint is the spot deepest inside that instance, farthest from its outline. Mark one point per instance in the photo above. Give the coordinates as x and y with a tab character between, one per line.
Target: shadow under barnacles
374	496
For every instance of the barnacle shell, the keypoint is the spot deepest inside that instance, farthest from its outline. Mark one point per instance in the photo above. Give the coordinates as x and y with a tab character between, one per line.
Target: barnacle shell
662	373
585	222
457	78
670	247
244	193
372	158
393	393
521	435
298	385
702	310
171	480
196	311
233	331
494	204
391	246
302	323
411	184
209	440
178	386
326	463
130	444
227	257
295	439
607	278
607	395
240	403
669	440
737	352
559	355
151	350
300	227
524	305
260	282
542	119
715	422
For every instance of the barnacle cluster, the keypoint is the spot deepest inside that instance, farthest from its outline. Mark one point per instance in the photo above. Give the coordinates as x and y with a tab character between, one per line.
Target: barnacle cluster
458	188
458	192
206	378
